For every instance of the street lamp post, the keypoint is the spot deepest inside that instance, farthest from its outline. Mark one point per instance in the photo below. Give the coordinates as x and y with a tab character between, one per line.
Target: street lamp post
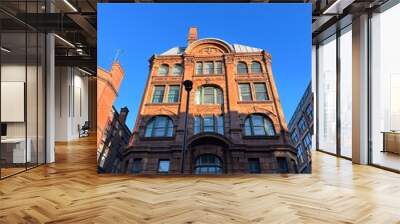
188	87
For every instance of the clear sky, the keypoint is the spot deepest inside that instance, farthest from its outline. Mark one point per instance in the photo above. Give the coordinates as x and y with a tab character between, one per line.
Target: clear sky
141	30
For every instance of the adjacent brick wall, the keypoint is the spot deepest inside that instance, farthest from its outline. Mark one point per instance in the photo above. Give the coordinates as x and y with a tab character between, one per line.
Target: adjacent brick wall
108	83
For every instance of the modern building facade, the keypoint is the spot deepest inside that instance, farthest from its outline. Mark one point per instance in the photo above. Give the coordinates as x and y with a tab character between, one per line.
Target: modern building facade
301	129
113	142
235	119
356	82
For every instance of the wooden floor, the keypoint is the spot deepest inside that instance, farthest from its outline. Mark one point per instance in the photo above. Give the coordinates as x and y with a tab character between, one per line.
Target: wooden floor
70	191
386	159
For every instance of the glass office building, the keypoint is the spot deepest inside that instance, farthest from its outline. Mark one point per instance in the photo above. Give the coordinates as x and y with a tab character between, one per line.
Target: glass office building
22	87
357	85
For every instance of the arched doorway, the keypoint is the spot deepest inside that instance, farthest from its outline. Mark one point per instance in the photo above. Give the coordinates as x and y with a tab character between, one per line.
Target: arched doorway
209	154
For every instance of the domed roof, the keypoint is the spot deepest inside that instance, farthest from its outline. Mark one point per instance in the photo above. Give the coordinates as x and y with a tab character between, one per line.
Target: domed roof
236	48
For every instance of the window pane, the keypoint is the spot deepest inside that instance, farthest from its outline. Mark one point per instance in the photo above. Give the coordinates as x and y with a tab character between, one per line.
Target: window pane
385	87
173	94
346	93
209	95
219	96
300	152
247	127
307	141
161	122
302	125
178	69
198	96
149	129
170	128
158	94
295	137
208	123
257	120
197	124
199	68
261	91
220	125
259	130
244	91
255	67
159	132
16	78
209	68
163	166
218	67
208	164
327	95
163	70
309	111
241	68
160	126
269	127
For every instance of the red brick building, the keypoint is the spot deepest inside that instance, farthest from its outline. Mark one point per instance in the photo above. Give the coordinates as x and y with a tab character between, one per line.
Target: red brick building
236	123
108	83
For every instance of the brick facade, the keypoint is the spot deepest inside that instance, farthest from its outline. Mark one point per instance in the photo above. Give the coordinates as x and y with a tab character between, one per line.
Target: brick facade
233	148
108	83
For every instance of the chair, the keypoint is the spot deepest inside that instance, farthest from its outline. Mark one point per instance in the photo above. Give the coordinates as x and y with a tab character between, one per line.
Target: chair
84	130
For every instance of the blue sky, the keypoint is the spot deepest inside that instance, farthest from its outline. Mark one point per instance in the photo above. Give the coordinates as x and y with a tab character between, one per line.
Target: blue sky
141	30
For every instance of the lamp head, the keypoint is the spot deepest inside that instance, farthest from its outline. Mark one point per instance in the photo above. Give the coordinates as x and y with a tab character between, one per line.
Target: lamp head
188	85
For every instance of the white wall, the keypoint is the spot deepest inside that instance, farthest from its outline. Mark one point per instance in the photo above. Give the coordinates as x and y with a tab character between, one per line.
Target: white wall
71	103
16	73
314	91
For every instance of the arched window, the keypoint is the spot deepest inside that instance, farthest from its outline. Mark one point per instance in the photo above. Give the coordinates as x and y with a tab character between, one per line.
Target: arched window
258	125
241	68
178	70
256	67
159	126
209	95
163	70
208	164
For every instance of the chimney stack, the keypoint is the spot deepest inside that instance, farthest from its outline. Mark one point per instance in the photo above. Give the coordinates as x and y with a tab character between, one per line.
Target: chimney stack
123	114
192	36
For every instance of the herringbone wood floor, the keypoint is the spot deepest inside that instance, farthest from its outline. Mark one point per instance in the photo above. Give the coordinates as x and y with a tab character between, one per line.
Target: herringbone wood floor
70	191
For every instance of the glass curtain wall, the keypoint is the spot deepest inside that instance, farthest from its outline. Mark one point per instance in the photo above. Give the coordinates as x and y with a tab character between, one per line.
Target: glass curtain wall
335	73
327	95
385	89
346	92
22	91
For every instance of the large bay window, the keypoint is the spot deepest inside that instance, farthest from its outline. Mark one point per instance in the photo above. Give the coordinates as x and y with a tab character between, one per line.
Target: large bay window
327	95
209	123
209	95
385	88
